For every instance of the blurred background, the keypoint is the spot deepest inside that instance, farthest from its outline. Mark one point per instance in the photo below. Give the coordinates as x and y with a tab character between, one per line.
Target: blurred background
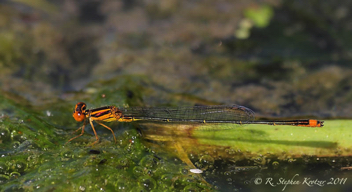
283	59
279	58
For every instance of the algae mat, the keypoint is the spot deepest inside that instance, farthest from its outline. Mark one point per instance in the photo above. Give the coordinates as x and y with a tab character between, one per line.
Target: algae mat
33	156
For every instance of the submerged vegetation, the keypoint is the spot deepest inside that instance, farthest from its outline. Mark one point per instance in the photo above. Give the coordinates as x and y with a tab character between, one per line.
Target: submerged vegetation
283	59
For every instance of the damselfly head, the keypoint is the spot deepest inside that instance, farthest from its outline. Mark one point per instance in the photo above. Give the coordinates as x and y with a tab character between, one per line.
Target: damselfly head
80	111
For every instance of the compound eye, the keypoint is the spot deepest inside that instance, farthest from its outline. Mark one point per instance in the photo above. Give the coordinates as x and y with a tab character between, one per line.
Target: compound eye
80	106
79	112
78	116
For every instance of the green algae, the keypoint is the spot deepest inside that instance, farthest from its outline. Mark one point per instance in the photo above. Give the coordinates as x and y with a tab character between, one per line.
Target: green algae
41	61
149	157
33	156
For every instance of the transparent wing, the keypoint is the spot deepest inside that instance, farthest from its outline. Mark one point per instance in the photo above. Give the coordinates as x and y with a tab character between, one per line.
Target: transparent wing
209	114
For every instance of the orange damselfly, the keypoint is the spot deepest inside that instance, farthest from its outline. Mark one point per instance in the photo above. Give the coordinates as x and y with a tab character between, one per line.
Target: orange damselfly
230	114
